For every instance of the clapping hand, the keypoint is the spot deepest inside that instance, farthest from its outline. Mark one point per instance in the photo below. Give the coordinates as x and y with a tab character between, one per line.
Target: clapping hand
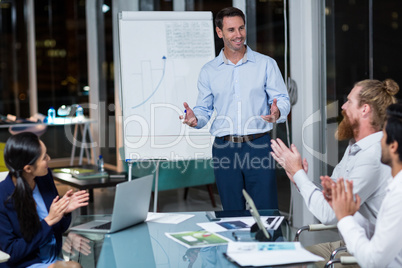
77	200
326	183
305	168
289	159
57	210
343	202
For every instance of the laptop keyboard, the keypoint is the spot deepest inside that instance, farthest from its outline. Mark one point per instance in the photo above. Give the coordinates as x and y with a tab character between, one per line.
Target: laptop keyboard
105	226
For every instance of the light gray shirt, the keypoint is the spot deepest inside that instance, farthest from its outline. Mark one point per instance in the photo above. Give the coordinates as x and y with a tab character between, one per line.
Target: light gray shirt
360	163
377	245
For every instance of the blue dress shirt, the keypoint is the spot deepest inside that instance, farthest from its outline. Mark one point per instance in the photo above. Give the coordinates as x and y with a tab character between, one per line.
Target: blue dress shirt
240	93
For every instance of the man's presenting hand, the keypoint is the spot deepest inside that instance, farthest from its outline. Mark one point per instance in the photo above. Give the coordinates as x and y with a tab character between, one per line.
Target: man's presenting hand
342	201
275	113
289	159
189	118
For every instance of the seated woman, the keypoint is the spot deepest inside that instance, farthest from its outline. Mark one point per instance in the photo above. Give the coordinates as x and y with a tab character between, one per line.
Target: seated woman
32	216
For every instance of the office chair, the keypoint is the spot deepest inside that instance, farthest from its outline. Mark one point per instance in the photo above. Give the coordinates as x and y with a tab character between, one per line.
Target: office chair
344	260
4	257
313	228
3	175
3	166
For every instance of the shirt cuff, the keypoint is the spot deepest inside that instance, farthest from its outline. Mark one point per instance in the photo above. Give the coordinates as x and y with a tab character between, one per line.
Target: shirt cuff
345	224
283	116
300	177
305	186
201	121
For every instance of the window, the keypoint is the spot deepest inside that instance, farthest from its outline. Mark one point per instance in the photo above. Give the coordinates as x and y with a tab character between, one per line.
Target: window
351	47
61	53
13	60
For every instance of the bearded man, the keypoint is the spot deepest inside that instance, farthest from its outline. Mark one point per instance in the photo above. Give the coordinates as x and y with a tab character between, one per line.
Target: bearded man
364	114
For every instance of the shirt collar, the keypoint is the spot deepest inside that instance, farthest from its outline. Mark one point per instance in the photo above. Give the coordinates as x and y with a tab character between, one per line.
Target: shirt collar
367	141
393	184
248	56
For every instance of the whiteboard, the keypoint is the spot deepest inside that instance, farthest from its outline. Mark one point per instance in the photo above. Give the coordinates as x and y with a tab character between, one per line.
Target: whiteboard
161	55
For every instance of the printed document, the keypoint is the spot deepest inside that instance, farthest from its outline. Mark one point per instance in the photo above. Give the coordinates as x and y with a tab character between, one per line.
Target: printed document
268	253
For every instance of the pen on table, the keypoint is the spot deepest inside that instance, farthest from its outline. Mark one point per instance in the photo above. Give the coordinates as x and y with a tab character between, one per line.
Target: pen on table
235	236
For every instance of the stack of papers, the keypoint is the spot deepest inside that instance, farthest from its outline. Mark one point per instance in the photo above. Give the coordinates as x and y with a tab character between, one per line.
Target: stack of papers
268	253
251	253
82	173
171	218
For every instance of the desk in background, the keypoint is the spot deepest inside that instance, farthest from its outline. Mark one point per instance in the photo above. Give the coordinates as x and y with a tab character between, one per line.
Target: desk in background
146	245
83	125
90	184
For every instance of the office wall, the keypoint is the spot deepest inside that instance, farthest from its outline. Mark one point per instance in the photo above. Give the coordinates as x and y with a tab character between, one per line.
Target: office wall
306	68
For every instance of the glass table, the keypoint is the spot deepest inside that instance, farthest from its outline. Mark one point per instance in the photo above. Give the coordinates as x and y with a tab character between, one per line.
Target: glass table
146	244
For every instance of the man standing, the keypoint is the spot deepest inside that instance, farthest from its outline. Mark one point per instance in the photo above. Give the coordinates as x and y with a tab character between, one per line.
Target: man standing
364	116
247	91
375	245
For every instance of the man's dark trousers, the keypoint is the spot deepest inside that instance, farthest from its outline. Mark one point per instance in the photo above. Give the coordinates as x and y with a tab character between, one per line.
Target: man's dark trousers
245	165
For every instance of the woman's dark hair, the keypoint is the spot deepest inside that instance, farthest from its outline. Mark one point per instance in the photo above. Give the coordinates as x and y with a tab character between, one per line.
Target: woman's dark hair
228	12
394	126
21	150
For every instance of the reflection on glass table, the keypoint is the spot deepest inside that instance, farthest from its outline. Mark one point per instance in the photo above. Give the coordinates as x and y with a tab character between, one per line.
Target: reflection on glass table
82	248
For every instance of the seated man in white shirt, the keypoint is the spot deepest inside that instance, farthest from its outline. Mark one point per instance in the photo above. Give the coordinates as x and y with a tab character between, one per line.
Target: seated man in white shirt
376	245
364	116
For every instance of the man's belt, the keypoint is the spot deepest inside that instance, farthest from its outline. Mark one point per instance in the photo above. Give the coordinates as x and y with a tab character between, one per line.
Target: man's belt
244	138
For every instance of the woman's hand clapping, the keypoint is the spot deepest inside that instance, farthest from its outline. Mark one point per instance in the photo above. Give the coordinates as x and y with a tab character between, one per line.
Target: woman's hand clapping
57	210
77	200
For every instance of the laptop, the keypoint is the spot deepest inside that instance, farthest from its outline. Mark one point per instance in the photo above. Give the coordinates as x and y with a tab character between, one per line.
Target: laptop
131	205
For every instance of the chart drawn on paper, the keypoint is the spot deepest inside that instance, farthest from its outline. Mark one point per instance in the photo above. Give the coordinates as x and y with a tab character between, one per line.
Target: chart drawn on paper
161	55
162	77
